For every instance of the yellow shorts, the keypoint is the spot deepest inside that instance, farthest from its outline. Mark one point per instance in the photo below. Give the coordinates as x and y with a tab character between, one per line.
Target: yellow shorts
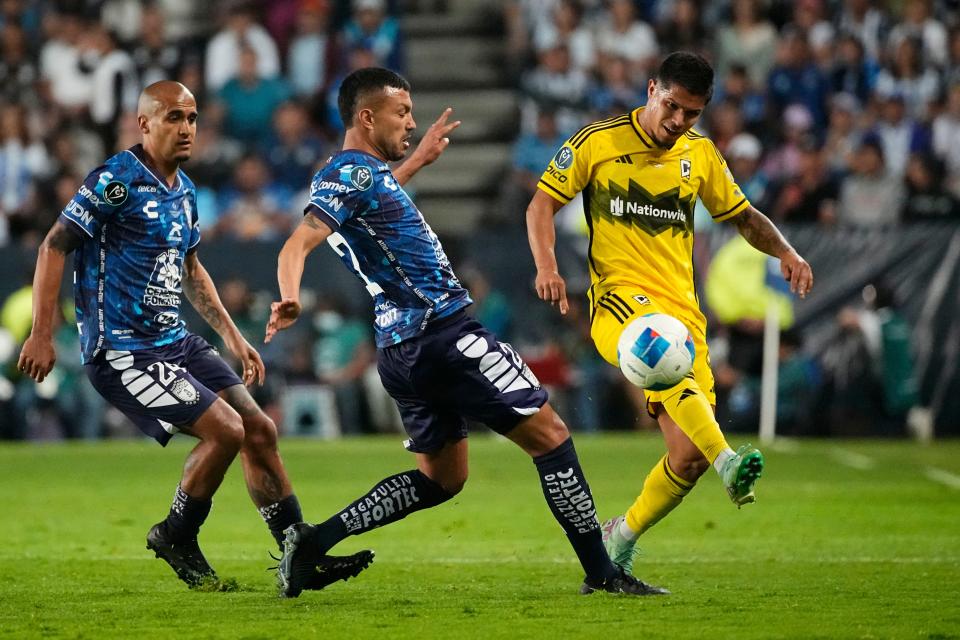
619	307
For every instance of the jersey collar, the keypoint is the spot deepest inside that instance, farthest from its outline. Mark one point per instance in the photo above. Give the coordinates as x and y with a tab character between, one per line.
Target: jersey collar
647	140
137	152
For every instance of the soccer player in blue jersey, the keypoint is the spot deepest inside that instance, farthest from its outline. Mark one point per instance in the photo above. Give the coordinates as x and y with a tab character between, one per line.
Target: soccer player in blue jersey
440	365
134	229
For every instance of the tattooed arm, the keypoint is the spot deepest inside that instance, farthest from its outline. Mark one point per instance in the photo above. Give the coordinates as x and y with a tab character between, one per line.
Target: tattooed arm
38	356
202	294
763	235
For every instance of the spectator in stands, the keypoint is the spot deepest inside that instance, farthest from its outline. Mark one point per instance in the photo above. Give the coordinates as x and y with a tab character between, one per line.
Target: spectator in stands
743	154
870	196
952	72
783	162
254	207
555	83
241	31
22	160
751	103
919	24
796	79
927	199
113	81
249	101
808	18
295	148
60	62
214	155
342	353
312	52
614	92
683	29
155	56
18	72
621	33
946	138
566	27
866	22
899	133
907	77
749	40
724	121
812	195
852	71
843	132
370	28
531	154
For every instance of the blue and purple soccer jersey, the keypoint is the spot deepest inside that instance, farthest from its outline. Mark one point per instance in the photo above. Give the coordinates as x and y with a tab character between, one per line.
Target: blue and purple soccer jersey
136	231
382	237
440	366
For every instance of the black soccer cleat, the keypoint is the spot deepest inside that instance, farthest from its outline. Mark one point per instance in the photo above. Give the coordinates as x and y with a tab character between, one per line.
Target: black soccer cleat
622	582
185	558
303	567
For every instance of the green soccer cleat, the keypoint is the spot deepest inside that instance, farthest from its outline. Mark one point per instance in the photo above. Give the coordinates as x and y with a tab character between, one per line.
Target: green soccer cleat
621	551
740	473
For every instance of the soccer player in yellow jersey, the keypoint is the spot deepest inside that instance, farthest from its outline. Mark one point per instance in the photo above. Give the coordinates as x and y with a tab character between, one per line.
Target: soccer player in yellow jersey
640	174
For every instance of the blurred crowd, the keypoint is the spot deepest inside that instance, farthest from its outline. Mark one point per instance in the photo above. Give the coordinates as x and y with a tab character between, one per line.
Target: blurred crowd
265	74
836	112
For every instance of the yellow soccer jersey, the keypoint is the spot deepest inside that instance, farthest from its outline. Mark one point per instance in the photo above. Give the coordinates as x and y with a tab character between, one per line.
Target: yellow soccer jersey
639	200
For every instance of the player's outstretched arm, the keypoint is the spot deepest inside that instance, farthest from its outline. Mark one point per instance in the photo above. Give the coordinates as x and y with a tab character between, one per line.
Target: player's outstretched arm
202	294
763	235
38	356
304	239
432	144
542	236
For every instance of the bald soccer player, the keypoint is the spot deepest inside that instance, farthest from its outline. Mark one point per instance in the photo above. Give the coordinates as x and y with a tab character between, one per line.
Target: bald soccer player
133	227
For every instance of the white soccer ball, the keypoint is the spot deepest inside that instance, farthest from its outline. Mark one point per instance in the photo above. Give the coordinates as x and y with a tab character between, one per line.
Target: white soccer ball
655	351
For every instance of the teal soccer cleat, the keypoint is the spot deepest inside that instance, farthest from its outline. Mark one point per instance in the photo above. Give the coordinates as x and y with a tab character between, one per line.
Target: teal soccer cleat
740	473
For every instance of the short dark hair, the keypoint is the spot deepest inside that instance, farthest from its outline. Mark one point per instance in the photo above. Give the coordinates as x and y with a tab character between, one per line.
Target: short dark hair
361	83
689	70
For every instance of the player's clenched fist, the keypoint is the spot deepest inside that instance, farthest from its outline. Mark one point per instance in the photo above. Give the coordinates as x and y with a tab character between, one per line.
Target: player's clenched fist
37	358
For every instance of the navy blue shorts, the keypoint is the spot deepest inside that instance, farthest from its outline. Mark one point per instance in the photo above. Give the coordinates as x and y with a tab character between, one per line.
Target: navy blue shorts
457	370
164	388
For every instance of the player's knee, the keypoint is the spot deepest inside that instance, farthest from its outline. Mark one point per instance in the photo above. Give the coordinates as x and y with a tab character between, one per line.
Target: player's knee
454	485
260	432
230	435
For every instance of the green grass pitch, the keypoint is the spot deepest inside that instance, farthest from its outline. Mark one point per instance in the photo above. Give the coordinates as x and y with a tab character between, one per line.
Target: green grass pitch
847	540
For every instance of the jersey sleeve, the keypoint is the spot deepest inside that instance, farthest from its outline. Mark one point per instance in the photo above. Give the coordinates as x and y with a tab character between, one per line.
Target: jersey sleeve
339	193
90	208
568	171
719	192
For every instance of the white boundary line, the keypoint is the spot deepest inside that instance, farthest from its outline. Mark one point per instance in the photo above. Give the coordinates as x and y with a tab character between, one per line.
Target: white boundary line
940	476
852	459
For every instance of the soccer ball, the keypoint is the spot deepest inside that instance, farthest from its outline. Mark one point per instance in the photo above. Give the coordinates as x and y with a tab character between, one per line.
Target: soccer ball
655	351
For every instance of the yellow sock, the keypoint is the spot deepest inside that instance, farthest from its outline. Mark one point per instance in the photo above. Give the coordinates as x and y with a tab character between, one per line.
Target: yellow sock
662	491
691	410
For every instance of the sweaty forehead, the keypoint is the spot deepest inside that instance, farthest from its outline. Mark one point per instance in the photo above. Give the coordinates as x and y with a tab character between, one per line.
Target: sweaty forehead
681	96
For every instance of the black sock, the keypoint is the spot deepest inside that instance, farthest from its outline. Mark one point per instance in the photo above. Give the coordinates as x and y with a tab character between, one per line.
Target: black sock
571	502
281	515
392	499
186	515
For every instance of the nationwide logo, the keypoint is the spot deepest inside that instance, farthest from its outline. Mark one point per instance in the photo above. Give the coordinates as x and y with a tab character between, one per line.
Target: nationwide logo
618	207
635	205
